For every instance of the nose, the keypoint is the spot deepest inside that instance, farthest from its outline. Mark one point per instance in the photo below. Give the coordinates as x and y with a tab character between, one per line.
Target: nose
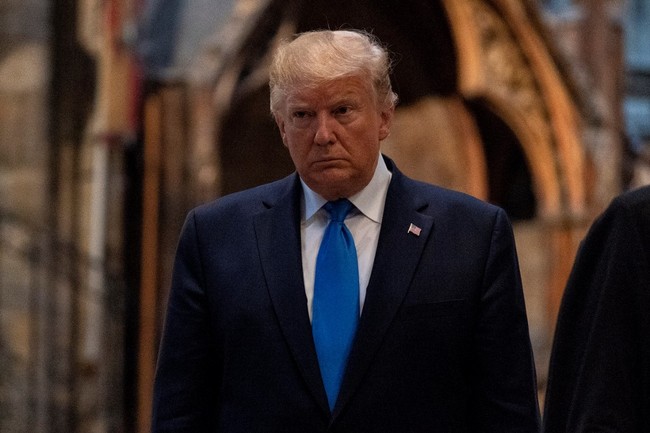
324	130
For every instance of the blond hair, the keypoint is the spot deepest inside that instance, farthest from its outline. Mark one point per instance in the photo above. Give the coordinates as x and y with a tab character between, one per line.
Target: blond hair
317	57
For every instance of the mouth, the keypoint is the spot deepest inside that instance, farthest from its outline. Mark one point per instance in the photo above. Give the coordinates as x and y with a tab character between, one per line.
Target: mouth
329	161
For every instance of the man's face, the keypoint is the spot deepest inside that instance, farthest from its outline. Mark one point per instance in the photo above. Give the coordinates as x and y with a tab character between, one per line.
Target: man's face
333	134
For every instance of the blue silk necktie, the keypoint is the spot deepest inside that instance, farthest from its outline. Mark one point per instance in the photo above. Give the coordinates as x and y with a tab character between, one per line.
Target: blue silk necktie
335	309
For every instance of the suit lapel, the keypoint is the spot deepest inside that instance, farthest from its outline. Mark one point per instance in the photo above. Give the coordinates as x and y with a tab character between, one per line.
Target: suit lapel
398	254
278	236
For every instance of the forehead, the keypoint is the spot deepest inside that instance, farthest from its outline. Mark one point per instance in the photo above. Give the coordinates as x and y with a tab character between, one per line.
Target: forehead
331	91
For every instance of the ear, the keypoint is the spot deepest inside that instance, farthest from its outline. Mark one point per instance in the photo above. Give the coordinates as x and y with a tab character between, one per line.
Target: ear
386	122
279	120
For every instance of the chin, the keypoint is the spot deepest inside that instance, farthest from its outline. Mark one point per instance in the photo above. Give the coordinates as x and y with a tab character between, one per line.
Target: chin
332	187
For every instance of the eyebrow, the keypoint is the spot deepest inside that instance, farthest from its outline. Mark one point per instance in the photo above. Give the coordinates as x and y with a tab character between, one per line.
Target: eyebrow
347	99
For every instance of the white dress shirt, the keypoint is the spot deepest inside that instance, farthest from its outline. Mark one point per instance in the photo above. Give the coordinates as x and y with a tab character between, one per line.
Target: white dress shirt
364	222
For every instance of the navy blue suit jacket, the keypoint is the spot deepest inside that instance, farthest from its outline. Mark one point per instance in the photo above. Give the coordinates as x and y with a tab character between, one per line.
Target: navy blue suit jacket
442	343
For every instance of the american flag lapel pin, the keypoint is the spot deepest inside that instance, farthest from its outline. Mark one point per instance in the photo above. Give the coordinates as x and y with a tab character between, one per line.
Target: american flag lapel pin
414	230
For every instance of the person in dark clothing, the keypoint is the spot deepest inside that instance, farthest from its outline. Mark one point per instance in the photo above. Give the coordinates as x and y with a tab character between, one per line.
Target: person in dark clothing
599	374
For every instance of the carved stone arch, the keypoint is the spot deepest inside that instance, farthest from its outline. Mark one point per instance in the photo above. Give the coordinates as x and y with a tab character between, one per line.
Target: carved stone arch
509	175
539	156
503	60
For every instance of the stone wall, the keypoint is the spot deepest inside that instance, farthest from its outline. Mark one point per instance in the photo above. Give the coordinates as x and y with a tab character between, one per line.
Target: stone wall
61	199
24	162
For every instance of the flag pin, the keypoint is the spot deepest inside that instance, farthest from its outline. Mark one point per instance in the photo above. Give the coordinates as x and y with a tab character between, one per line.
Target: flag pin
415	230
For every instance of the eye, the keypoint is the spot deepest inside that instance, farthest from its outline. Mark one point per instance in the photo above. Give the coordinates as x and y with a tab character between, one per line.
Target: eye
300	114
342	110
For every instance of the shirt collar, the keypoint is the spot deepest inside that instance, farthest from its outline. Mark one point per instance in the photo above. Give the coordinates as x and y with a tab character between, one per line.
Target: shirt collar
369	201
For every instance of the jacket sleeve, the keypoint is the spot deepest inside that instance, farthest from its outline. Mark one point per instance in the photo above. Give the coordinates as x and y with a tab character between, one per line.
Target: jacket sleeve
506	396
186	389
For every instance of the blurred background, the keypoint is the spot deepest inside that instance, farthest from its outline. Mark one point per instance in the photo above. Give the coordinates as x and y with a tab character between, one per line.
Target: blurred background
118	116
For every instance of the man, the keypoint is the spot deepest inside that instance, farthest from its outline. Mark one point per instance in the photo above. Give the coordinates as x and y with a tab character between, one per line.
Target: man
599	377
271	329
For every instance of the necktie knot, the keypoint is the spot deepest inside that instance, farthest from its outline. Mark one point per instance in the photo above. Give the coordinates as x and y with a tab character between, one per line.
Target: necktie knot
338	209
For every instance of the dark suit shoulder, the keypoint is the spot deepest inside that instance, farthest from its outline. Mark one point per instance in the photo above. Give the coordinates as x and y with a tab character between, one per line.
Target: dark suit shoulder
627	217
634	204
434	197
249	201
635	197
440	200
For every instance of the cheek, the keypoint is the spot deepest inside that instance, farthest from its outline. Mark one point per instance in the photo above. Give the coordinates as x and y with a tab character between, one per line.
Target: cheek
371	139
297	137
298	148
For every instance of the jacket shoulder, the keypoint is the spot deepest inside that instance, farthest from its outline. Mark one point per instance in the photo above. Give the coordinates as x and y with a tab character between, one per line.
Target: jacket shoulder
249	201
445	200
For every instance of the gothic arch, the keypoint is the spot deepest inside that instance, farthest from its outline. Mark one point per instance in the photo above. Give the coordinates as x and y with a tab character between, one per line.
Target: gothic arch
503	60
500	59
